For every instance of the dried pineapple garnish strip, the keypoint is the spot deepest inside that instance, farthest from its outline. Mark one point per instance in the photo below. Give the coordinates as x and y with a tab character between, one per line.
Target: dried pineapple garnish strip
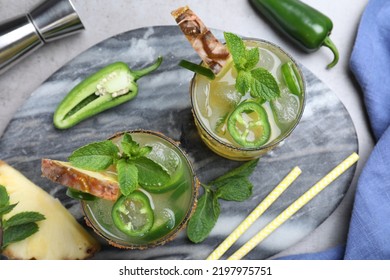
213	53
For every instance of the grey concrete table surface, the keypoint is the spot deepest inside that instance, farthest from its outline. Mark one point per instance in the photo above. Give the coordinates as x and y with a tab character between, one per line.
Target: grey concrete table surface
104	19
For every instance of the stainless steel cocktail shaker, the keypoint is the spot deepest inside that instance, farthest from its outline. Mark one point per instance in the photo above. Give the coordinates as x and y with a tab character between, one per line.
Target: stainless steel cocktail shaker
50	20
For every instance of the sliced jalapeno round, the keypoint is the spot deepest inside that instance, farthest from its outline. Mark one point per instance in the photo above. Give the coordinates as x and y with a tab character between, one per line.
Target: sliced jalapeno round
248	125
133	214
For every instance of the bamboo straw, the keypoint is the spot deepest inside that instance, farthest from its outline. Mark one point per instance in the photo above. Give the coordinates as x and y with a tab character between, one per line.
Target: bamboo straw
294	207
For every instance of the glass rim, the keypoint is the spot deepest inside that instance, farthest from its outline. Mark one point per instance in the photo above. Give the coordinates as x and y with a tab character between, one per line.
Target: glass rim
272	143
192	204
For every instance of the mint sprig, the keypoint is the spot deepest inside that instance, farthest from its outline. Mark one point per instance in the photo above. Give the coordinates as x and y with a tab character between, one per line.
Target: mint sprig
127	176
204	218
132	165
17	227
95	156
232	186
258	81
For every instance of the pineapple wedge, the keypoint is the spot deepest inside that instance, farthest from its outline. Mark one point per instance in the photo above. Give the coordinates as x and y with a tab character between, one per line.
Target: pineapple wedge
60	236
100	184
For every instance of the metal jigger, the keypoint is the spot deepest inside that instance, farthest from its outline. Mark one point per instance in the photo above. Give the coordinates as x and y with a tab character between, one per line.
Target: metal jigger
49	21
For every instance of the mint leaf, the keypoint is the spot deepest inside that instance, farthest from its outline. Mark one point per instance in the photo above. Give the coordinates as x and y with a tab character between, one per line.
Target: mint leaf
134	151
264	85
17	233
23	218
128	139
243	82
204	218
129	149
95	156
234	185
252	58
127	176
129	146
6	209
243	171
236	189
144	151
237	49
150	173
4	198
260	82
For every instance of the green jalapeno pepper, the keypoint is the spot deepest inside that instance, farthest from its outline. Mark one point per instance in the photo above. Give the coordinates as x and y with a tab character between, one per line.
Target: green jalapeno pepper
308	27
79	195
248	125
290	77
107	88
133	214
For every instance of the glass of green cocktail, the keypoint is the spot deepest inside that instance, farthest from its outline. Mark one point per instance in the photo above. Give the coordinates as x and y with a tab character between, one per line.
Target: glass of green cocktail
247	95
137	189
238	126
154	213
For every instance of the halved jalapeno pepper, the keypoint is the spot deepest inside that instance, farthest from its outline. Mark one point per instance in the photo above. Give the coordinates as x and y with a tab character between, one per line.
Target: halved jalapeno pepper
109	87
248	125
133	214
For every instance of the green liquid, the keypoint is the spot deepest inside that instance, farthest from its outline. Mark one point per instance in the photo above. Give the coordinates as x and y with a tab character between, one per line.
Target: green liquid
170	208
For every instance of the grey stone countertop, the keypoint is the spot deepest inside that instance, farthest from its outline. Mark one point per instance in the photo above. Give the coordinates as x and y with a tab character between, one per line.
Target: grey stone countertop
104	20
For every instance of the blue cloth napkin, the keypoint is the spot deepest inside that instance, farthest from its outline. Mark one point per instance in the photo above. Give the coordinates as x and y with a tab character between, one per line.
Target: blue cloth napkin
369	230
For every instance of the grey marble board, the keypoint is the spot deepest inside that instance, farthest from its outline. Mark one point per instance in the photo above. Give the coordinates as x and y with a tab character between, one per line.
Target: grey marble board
324	137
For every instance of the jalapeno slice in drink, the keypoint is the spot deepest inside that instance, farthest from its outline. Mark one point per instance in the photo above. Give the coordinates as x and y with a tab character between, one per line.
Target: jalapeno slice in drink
291	78
79	195
133	214
248	125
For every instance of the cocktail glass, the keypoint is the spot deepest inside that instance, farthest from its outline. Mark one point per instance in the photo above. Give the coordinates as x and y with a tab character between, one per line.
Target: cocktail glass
213	100
172	209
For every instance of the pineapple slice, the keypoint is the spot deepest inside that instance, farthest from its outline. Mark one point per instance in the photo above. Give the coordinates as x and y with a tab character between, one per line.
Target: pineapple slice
101	184
59	235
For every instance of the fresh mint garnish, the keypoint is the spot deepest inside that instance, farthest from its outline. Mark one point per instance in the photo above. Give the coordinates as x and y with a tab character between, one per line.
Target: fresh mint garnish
96	156
228	190
243	82
6	209
243	171
17	227
23	218
258	81
18	233
127	176
151	173
204	218
234	186
4	197
132	166
264	85
237	49
252	58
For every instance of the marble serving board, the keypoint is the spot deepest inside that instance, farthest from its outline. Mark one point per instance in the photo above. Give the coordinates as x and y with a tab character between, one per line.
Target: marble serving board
323	138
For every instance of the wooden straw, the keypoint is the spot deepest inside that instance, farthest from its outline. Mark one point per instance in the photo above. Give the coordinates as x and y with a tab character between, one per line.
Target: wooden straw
294	207
256	213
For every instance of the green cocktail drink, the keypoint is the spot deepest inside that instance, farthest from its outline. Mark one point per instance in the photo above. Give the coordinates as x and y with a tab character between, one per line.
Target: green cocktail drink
152	215
238	126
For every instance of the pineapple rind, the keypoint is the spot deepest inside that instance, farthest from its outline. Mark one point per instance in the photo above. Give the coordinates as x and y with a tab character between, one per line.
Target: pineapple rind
60	236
